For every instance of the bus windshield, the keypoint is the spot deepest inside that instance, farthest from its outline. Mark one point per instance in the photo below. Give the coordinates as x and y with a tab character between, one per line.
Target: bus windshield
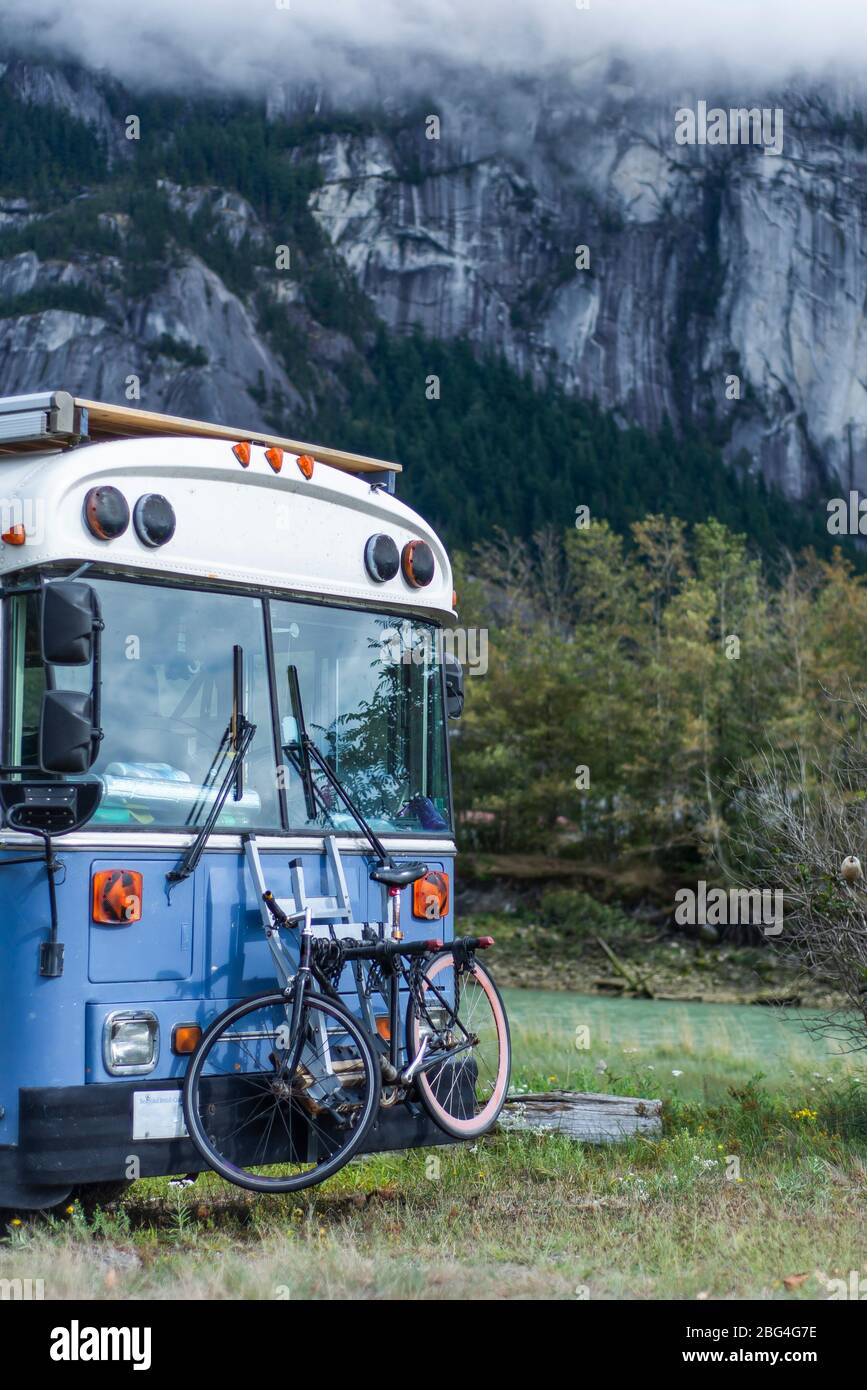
371	692
371	688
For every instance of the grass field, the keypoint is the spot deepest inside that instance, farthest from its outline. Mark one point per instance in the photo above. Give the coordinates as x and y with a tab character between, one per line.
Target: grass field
754	1184
644	1041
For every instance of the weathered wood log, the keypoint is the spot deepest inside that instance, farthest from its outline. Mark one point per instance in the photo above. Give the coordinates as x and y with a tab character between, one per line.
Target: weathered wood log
633	979
583	1115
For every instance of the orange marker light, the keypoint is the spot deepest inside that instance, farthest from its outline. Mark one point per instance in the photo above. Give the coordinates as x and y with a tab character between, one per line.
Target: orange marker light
242	453
383	1026
16	535
430	896
305	463
117	897
275	458
185	1038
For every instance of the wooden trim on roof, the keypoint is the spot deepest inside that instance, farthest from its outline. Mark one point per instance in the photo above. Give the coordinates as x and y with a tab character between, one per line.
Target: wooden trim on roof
123	422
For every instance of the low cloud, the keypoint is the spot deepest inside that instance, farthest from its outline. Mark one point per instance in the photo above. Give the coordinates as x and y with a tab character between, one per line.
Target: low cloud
243	45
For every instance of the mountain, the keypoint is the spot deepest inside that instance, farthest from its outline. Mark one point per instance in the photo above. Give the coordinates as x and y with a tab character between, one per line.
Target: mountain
263	262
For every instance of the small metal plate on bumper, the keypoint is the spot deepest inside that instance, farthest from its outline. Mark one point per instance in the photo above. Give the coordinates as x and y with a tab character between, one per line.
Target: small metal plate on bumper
158	1115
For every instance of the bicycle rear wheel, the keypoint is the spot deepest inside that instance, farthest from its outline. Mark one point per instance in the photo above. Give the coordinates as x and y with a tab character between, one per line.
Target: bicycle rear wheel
268	1130
459	1008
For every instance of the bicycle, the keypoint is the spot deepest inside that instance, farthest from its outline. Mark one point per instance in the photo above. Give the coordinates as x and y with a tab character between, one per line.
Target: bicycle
284	1087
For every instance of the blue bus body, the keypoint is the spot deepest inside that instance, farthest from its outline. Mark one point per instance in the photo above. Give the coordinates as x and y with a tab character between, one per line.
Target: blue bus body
66	1120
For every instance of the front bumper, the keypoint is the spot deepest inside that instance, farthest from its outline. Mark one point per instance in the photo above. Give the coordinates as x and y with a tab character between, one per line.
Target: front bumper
82	1134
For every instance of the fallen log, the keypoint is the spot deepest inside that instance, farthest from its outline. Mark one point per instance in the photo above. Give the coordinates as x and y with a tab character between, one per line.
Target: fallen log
583	1115
633	979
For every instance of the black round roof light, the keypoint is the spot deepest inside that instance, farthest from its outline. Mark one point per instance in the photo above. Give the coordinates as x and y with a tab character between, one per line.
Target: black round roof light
418	563
381	558
154	519
106	513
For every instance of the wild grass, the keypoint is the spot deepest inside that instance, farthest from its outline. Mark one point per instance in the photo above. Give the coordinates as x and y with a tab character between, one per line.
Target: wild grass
752	1183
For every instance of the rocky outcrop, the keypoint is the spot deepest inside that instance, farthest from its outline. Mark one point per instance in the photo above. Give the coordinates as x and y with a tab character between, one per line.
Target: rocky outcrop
722	287
704	263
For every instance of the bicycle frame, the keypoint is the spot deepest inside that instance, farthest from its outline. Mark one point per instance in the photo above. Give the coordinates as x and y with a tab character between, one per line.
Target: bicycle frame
390	957
393	967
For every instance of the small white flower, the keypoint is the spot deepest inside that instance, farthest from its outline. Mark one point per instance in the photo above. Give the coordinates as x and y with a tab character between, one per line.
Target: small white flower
677	1073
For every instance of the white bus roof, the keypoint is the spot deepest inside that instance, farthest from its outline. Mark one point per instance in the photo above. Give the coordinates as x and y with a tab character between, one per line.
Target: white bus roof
248	526
58	418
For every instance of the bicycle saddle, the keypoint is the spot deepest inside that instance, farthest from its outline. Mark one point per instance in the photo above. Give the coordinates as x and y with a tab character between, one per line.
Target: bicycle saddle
398	875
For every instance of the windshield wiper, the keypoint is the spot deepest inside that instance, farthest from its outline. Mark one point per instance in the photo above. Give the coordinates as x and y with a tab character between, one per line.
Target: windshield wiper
238	736
298	752
302	751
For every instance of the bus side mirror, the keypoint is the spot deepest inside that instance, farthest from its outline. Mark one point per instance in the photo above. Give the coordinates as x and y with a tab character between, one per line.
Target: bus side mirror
454	673
66	739
69	731
69	613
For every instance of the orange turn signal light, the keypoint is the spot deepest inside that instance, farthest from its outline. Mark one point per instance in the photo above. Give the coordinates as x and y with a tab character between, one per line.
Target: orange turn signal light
117	897
430	896
275	458
305	463
383	1026
16	535
242	453
185	1038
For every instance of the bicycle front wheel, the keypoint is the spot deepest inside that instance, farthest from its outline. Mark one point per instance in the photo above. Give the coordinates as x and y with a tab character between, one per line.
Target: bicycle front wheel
457	1006
266	1124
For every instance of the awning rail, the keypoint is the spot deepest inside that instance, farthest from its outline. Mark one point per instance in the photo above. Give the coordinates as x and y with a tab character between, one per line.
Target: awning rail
60	420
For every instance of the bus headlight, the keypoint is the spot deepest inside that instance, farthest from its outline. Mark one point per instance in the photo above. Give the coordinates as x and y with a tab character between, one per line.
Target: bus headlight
131	1042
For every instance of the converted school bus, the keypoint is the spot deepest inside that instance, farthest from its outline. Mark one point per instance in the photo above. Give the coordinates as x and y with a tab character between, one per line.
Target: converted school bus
158	576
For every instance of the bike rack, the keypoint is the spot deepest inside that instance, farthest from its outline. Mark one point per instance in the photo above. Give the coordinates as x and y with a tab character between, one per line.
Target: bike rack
328	915
333	912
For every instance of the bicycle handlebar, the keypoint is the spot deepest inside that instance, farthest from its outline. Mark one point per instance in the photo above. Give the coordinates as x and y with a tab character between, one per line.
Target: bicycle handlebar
379	950
276	910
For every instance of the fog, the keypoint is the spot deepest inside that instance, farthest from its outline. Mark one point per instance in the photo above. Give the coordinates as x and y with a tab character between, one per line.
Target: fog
242	45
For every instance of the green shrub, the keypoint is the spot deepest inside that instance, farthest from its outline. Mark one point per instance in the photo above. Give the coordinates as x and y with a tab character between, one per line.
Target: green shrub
189	355
578	914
